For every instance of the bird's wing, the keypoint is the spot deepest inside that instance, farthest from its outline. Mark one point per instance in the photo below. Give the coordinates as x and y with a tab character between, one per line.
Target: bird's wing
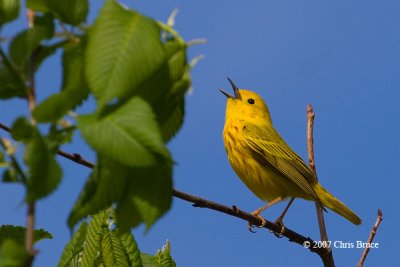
277	153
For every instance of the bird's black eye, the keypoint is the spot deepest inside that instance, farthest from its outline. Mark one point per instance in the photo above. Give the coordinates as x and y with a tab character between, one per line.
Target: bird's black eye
251	101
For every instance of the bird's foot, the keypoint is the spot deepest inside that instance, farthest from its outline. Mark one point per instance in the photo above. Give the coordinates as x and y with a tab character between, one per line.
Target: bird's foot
279	222
263	222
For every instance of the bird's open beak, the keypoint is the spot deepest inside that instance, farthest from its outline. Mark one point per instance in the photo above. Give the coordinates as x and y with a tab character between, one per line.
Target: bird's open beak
235	91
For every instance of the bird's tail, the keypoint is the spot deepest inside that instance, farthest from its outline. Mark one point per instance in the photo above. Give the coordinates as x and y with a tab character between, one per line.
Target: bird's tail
329	201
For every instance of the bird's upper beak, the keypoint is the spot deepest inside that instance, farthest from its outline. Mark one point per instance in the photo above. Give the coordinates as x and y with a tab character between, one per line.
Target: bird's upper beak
235	91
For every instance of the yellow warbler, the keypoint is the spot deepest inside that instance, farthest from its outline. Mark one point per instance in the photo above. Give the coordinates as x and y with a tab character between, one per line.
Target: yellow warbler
263	160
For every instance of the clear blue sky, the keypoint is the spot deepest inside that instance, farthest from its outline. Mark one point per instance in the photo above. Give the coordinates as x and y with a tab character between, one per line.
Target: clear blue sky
341	56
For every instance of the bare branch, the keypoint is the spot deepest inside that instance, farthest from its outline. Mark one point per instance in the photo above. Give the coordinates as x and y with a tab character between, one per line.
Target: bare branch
311	162
370	238
5	127
77	158
234	211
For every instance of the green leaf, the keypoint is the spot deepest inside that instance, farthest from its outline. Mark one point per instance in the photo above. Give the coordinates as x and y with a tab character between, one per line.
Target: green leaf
22	129
149	260
9	10
126	133
44	51
12	242
44	173
101	244
165	91
105	185
10	176
24	44
13	254
131	249
124	64
171	108
37	5
74	246
94	235
140	194
52	108
112	250
17	233
161	259
74	79
177	60
11	84
58	136
148	196
45	22
71	12
124	50
74	87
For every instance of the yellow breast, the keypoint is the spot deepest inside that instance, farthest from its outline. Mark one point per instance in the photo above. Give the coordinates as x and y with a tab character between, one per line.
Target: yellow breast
260	177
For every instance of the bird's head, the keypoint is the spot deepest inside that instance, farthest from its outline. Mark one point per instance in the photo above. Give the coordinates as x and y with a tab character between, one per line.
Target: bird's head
245	105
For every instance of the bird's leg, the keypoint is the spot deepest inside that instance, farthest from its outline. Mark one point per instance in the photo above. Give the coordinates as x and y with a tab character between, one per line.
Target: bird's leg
258	211
280	218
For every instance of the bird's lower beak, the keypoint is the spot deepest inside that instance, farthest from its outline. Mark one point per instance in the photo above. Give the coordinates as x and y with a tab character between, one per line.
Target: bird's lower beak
235	91
226	94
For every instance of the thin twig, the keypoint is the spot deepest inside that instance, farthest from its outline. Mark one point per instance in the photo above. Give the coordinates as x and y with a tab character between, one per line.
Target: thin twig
31	71
370	238
233	211
5	127
311	162
77	158
31	98
30	228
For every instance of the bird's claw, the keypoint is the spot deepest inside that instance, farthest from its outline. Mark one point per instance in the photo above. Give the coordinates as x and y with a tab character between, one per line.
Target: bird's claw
283	229
250	227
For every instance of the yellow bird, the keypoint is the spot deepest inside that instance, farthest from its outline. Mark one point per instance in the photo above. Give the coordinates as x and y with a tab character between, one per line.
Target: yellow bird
263	160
